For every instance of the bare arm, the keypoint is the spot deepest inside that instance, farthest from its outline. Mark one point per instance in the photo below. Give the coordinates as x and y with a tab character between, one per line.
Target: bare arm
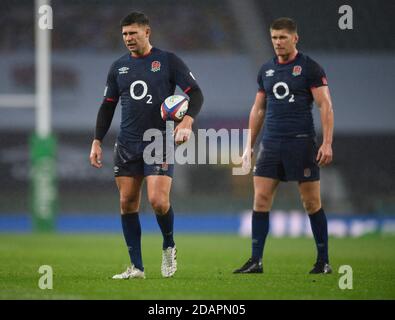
322	98
257	115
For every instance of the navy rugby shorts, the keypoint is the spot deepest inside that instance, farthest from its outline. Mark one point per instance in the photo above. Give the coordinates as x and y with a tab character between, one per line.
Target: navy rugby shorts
129	161
288	160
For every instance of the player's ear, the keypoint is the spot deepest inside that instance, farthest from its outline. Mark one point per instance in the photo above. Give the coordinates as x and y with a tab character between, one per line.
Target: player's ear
296	38
148	32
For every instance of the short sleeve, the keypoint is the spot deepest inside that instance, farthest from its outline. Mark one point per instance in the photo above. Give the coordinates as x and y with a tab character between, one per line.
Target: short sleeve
316	76
111	91
260	81
180	73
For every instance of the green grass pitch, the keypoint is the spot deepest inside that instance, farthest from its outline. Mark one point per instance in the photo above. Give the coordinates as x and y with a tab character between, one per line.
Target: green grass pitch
83	264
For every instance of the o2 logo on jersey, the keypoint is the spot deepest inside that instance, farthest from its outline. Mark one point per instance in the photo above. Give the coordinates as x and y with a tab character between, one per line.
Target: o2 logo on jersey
140	95
285	89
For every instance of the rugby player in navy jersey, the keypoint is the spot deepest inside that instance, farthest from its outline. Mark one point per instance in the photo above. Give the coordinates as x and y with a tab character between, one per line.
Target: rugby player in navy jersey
142	79
288	85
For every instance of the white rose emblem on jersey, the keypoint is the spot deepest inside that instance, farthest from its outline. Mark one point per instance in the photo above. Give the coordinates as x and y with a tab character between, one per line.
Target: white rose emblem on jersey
155	66
297	71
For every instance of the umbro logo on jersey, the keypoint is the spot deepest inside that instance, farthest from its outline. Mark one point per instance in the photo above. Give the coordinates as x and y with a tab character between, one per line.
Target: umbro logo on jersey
297	71
123	70
269	73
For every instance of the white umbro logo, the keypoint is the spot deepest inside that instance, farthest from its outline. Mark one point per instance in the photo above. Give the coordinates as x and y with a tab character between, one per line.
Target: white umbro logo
123	70
269	73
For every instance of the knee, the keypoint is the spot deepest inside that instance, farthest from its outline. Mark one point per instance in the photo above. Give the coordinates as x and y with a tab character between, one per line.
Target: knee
262	201
129	204
311	205
160	204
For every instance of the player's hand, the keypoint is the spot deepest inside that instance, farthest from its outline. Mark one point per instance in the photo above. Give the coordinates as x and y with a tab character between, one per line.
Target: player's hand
246	157
324	155
96	154
183	131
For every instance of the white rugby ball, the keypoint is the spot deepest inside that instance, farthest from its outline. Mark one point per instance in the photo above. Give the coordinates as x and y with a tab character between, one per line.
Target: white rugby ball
174	108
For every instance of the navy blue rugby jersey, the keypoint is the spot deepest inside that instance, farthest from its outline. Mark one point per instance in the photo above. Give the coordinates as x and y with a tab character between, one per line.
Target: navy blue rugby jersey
142	84
289	100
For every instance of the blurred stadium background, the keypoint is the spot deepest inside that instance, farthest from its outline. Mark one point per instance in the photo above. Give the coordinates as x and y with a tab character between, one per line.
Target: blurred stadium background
224	43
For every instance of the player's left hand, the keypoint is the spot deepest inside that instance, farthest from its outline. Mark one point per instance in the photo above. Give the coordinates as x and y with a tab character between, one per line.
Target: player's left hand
183	131
324	155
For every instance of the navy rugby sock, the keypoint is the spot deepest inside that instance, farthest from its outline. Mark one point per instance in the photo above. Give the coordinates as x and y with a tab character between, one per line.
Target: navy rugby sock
132	233
319	226
260	229
166	222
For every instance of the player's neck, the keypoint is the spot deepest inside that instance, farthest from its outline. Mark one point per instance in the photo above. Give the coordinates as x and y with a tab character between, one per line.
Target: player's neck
144	52
287	58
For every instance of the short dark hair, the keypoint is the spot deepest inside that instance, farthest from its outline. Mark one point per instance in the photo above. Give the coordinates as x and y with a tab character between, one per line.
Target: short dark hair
135	17
284	23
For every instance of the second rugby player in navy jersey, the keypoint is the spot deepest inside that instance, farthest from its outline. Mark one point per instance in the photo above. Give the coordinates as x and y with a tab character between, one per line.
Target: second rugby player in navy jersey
288	85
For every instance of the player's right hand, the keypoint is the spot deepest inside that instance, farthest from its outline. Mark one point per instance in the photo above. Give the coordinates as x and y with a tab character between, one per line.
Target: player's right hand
247	155
96	154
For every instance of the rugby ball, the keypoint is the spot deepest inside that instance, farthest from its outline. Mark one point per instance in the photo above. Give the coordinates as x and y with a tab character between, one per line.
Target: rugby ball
174	108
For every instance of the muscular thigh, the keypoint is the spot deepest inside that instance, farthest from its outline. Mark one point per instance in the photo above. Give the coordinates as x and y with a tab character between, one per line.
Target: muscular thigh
264	191
129	191
158	187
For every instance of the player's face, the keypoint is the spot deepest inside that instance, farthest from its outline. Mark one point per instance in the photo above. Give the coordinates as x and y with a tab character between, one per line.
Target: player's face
284	42
136	38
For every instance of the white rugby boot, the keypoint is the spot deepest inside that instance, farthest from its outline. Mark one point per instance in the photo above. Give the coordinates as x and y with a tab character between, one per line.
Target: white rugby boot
169	262
131	272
